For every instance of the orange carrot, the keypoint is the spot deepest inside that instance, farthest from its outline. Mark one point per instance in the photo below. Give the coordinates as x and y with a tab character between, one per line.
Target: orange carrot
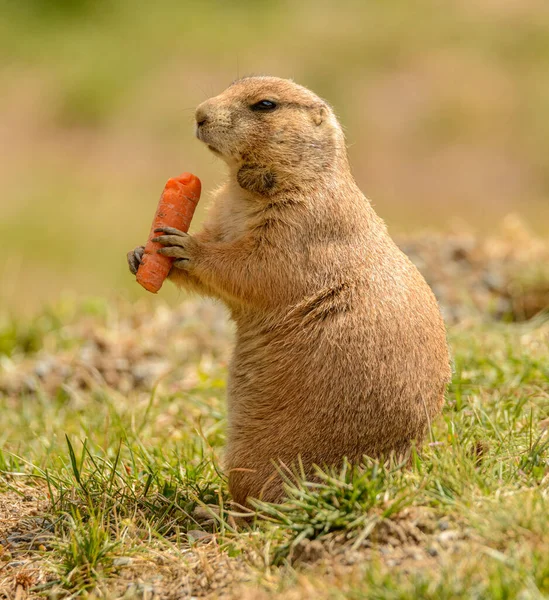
175	209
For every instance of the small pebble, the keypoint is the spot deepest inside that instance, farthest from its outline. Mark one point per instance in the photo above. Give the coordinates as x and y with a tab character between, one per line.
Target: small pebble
139	590
446	537
16	563
196	534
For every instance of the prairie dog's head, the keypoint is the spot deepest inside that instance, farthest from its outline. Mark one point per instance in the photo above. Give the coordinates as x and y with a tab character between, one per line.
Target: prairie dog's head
273	133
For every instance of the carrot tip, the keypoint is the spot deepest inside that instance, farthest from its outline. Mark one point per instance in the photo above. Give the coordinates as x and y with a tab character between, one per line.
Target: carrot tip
184	177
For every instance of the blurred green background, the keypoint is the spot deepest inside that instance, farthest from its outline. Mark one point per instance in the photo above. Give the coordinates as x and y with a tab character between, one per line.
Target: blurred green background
445	105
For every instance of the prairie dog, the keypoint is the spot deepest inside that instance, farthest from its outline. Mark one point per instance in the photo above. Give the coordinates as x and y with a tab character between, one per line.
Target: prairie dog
340	346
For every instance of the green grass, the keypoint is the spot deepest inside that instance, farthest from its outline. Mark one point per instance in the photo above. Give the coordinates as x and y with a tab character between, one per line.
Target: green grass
85	554
135	479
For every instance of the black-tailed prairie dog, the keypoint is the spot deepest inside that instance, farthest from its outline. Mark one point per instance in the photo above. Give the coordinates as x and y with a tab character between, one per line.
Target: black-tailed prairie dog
340	346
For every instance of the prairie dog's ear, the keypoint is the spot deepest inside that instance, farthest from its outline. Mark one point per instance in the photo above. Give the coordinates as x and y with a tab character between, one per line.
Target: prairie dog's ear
319	114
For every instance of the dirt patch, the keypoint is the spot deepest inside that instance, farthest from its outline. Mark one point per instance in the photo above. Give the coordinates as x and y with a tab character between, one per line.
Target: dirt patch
25	535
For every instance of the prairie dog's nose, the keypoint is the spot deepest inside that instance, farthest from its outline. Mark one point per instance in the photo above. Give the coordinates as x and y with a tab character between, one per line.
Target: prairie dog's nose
201	115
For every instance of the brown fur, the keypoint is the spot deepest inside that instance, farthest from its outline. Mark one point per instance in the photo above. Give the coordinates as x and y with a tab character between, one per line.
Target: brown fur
340	346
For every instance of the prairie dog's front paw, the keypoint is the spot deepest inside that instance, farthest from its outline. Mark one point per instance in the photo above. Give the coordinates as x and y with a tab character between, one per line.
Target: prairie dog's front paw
134	258
179	245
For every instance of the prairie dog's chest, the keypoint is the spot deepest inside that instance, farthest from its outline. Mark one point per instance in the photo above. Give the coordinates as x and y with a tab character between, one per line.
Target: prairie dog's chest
230	215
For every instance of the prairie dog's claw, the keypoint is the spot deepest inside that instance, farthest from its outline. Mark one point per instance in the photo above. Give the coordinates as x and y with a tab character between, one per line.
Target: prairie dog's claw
172	240
170	231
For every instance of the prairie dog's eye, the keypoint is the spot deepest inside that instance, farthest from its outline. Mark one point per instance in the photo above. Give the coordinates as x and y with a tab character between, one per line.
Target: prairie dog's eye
263	106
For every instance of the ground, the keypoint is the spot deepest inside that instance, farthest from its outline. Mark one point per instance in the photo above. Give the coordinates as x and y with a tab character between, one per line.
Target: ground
112	437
